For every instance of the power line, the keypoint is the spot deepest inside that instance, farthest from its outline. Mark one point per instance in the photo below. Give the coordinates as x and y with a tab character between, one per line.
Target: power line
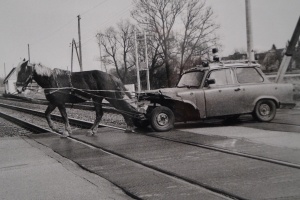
106	22
66	24
93	7
54	32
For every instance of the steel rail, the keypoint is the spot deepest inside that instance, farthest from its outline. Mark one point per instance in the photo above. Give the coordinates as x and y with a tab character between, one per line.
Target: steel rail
81	106
223	150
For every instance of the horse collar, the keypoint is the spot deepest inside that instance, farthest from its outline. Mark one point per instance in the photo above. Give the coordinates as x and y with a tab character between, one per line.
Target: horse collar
30	77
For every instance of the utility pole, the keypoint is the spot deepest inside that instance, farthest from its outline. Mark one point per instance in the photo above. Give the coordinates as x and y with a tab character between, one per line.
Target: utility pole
79	36
147	63
72	46
28	53
137	62
99	43
4	71
249	31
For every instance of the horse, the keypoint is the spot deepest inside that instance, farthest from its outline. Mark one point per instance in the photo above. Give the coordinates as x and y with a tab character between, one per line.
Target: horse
61	87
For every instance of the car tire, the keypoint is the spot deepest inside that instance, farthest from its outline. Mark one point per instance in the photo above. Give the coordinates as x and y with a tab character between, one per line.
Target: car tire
264	111
162	119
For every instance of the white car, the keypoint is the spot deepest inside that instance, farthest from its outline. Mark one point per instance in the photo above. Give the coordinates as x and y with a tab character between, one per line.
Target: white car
222	90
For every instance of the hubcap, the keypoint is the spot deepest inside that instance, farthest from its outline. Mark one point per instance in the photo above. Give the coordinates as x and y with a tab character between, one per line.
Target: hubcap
265	109
162	119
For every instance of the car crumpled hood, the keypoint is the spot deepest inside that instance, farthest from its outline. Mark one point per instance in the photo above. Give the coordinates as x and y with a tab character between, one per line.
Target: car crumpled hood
173	93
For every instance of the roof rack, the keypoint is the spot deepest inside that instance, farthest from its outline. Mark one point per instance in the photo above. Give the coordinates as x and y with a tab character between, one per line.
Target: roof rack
252	63
238	61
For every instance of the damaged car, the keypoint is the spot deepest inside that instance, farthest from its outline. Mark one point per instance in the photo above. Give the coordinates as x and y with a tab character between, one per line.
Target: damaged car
215	90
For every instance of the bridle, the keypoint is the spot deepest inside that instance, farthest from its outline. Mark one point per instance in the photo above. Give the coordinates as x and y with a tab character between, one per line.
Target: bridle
28	80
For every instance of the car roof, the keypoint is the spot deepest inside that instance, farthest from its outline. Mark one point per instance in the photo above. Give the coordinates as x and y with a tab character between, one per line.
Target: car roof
223	64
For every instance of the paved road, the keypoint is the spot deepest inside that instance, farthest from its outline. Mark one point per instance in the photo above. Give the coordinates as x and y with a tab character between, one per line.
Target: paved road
30	171
283	131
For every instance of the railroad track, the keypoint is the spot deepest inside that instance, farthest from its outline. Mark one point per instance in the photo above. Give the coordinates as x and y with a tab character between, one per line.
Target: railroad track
173	140
81	106
87	124
58	118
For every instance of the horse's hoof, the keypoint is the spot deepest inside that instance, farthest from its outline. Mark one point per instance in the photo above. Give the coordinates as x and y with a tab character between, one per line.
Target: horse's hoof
69	131
90	133
65	134
129	131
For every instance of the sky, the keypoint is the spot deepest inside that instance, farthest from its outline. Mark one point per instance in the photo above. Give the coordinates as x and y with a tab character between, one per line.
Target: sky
49	26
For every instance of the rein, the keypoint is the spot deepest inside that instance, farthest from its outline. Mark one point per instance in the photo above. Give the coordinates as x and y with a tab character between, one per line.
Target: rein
28	80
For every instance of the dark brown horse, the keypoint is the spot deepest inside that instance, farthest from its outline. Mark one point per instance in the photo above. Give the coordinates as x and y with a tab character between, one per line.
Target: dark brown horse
61	87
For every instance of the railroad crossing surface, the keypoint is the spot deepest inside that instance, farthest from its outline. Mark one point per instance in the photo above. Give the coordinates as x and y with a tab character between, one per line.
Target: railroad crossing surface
180	171
246	160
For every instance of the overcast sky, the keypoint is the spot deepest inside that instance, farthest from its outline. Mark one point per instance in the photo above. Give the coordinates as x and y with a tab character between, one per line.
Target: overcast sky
49	26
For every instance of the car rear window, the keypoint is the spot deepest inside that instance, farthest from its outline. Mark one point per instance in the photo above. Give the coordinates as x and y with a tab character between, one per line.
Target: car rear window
248	75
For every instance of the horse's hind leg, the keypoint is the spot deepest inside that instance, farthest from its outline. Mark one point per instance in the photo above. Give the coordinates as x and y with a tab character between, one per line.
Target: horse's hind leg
126	110
64	115
48	111
99	114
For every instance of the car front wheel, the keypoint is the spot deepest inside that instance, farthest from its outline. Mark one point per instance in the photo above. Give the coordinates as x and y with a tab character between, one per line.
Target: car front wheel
264	111
162	119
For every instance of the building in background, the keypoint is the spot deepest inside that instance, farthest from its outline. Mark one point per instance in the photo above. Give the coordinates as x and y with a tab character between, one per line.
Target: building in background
10	82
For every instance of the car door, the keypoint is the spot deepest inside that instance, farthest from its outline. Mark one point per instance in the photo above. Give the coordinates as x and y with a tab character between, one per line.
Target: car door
224	96
251	82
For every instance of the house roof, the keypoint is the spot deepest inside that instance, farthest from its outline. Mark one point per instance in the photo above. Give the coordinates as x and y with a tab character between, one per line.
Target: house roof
9	75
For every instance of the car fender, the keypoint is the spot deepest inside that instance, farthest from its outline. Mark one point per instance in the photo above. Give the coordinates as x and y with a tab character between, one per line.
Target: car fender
191	103
266	97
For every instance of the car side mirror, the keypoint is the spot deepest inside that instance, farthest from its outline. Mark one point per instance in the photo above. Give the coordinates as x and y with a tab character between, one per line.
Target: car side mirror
210	81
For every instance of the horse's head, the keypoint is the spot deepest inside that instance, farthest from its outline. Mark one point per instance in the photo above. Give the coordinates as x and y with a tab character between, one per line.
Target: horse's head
24	75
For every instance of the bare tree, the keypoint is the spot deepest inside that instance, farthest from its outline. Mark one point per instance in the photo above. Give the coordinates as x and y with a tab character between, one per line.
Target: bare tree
184	29
118	47
159	17
199	32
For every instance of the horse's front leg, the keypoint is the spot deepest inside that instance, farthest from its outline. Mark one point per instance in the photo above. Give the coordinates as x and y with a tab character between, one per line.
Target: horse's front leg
67	132
48	112
99	114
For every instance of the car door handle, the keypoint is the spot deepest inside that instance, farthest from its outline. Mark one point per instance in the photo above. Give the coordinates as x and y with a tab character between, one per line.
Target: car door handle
237	89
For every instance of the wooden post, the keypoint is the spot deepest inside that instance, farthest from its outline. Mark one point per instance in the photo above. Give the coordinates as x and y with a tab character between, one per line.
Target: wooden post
147	62
28	53
137	63
79	36
72	52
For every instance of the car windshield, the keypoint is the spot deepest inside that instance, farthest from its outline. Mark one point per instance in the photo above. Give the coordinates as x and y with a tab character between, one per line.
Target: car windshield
191	79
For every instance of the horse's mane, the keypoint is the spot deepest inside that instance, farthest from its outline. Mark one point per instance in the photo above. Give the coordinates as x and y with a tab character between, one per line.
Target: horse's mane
46	71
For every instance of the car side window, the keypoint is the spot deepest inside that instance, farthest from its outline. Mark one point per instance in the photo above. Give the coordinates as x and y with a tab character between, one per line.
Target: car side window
248	75
221	77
